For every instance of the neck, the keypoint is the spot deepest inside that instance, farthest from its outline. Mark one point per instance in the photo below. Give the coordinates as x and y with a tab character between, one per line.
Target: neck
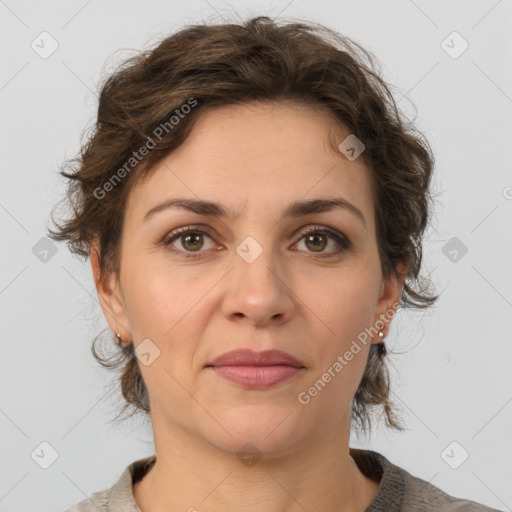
191	474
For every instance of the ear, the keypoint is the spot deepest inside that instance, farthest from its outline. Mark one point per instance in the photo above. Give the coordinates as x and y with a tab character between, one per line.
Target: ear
110	296
389	298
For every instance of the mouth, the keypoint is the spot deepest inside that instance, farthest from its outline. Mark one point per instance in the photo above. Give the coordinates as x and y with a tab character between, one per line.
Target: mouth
256	370
257	377
247	357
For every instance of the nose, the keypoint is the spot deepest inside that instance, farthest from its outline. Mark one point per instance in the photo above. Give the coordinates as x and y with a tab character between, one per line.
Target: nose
258	291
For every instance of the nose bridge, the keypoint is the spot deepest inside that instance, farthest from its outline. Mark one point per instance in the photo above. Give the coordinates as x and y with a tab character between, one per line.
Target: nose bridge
257	290
255	262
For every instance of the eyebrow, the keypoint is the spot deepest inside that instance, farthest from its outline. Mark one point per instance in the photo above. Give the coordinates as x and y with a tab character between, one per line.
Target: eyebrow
295	209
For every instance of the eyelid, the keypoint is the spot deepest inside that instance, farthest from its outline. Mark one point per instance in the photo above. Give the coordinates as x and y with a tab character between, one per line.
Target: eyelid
183	230
340	238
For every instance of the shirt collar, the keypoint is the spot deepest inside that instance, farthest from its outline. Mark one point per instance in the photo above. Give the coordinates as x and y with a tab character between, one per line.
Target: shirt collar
372	464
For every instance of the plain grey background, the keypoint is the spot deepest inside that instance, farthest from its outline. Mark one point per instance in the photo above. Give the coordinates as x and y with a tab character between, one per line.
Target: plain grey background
451	374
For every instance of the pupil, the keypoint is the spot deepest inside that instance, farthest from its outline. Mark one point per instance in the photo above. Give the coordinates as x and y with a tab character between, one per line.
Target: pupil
312	237
188	237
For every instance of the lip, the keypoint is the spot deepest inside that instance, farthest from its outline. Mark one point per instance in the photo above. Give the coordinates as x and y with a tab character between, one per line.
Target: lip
256	370
247	357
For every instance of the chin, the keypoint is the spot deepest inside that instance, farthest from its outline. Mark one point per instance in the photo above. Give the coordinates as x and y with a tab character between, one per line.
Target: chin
268	431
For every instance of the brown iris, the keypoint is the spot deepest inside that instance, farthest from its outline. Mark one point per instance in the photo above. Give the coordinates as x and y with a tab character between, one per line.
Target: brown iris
314	239
196	244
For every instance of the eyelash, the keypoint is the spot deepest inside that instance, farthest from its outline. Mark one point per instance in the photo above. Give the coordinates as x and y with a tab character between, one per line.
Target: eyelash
342	241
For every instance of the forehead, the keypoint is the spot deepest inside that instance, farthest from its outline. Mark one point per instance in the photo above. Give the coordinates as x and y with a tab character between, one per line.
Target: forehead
261	156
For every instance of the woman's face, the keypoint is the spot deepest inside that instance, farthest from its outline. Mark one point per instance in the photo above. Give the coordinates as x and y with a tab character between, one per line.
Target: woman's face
251	279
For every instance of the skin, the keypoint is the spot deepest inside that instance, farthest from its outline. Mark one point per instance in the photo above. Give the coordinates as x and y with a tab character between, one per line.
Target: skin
255	159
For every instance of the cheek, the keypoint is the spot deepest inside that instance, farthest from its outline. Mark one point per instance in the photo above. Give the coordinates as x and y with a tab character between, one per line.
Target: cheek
340	353
159	301
346	309
173	313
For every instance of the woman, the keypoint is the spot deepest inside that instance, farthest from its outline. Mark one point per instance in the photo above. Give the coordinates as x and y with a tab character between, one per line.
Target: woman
253	206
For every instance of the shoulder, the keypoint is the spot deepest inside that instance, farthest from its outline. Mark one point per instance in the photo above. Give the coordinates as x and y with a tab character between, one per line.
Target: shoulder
422	496
399	490
119	497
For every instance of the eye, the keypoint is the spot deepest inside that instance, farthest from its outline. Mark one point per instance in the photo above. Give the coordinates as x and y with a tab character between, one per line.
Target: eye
189	238
315	238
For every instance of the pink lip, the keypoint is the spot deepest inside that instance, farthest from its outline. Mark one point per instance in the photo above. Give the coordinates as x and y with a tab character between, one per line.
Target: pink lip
247	357
256	370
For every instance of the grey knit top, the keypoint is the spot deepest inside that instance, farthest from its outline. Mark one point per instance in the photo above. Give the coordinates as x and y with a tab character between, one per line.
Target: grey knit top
398	489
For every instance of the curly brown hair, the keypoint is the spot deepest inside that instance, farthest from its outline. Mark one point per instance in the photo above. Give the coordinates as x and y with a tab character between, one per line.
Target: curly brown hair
216	65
